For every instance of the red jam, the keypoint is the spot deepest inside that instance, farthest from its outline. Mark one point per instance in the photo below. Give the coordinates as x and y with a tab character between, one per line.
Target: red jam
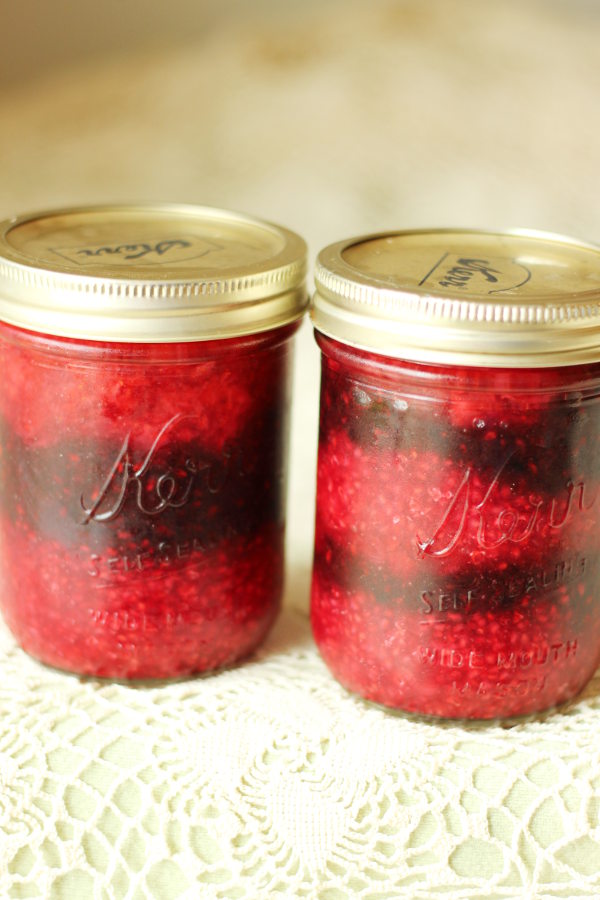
457	533
141	499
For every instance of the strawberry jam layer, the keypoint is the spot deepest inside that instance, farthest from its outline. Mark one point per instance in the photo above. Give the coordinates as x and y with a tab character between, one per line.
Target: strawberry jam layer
458	533
141	497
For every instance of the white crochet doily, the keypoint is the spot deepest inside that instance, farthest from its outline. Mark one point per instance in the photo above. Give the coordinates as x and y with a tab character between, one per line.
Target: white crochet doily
270	781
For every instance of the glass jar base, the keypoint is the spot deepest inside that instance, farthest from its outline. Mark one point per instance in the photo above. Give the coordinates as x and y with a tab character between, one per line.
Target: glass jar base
507	720
156	681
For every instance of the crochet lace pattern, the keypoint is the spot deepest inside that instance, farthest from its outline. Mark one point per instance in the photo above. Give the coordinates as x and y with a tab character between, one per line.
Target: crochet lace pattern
271	781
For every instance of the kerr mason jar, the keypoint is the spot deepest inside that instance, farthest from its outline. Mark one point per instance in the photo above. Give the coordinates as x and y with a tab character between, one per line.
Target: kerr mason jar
144	360
456	567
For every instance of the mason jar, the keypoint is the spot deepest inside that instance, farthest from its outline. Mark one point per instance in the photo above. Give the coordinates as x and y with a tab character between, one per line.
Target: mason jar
145	362
456	568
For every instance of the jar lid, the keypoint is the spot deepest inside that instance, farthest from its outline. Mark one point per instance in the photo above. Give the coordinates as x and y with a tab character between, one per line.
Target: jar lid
514	299
149	273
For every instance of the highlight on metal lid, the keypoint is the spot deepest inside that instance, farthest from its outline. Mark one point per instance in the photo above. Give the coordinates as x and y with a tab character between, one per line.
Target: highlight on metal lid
149	273
520	298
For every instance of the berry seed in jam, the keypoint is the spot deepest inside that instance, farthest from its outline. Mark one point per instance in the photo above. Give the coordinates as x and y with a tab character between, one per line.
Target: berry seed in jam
142	482
456	569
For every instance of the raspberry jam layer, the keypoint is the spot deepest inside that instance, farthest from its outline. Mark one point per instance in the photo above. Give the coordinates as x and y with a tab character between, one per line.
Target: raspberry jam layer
141	498
457	533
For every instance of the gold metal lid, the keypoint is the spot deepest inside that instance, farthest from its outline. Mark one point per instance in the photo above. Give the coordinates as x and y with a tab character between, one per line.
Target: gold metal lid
149	273
523	298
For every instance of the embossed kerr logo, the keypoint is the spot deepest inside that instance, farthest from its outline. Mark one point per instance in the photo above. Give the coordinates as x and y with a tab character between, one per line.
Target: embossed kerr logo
490	523
476	275
147	251
153	491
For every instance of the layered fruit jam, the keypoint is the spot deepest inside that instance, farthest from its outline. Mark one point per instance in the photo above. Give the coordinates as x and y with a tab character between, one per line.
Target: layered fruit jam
457	533
141	498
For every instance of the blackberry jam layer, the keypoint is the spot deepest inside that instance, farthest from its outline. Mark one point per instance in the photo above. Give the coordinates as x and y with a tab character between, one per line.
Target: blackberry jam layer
457	533
142	498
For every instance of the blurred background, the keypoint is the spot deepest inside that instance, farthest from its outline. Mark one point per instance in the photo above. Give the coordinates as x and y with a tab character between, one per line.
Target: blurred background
335	118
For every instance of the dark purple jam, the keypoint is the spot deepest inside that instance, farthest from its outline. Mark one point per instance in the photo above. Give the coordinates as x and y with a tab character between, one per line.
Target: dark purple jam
141	498
457	534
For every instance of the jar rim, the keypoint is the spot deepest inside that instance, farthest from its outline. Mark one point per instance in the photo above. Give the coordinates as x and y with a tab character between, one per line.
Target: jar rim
516	298
149	273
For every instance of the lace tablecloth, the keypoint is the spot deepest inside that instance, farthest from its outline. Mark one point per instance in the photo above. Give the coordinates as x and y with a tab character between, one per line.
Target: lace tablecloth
270	781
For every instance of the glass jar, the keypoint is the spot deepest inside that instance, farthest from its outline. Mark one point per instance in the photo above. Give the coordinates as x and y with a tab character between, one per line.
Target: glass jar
456	569
144	358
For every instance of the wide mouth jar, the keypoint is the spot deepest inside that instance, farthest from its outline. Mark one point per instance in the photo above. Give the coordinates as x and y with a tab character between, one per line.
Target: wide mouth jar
456	568
145	360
